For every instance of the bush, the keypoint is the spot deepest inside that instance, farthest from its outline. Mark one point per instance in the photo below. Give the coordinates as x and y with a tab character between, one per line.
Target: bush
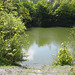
11	29
64	57
4	61
23	13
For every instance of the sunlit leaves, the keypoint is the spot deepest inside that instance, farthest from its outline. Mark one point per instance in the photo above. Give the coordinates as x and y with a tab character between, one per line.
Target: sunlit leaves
11	28
64	56
25	14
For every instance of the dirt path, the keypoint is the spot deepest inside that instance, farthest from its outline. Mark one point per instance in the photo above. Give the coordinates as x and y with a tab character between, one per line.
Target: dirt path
46	70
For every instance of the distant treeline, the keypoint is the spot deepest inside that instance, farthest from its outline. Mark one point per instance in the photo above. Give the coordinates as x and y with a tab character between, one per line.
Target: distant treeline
43	13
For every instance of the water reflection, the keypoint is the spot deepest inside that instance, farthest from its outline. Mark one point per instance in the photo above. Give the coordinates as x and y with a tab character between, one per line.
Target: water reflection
31	53
44	43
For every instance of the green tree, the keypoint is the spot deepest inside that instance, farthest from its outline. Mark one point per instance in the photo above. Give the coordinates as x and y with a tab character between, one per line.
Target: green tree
23	13
7	6
42	17
65	13
25	16
35	1
55	5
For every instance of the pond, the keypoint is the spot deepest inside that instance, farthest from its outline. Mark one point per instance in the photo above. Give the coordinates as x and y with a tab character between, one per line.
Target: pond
44	44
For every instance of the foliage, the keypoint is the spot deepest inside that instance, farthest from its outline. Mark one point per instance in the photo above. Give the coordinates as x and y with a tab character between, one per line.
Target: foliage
42	14
64	57
55	5
7	6
30	6
4	61
11	29
35	1
65	13
23	13
57	13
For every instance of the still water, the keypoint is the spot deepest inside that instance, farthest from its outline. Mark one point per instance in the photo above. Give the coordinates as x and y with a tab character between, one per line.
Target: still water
44	44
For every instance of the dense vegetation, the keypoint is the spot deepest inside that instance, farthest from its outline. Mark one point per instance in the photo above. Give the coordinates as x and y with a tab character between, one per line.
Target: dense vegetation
57	13
42	13
46	13
11	28
16	15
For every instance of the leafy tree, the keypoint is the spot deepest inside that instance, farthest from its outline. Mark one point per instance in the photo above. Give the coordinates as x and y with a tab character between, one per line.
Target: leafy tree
55	5
65	13
42	13
23	13
25	16
7	6
30	6
35	1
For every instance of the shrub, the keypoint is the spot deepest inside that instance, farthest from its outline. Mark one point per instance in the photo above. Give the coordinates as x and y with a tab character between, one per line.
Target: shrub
64	57
11	29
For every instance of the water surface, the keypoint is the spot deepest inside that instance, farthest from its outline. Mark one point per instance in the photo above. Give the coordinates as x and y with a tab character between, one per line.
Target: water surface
44	44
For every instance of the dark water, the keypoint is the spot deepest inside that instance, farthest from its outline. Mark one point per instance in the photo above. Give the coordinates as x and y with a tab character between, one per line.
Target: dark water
44	44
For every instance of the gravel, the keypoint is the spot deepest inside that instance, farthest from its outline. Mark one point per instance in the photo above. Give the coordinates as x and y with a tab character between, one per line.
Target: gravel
46	70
